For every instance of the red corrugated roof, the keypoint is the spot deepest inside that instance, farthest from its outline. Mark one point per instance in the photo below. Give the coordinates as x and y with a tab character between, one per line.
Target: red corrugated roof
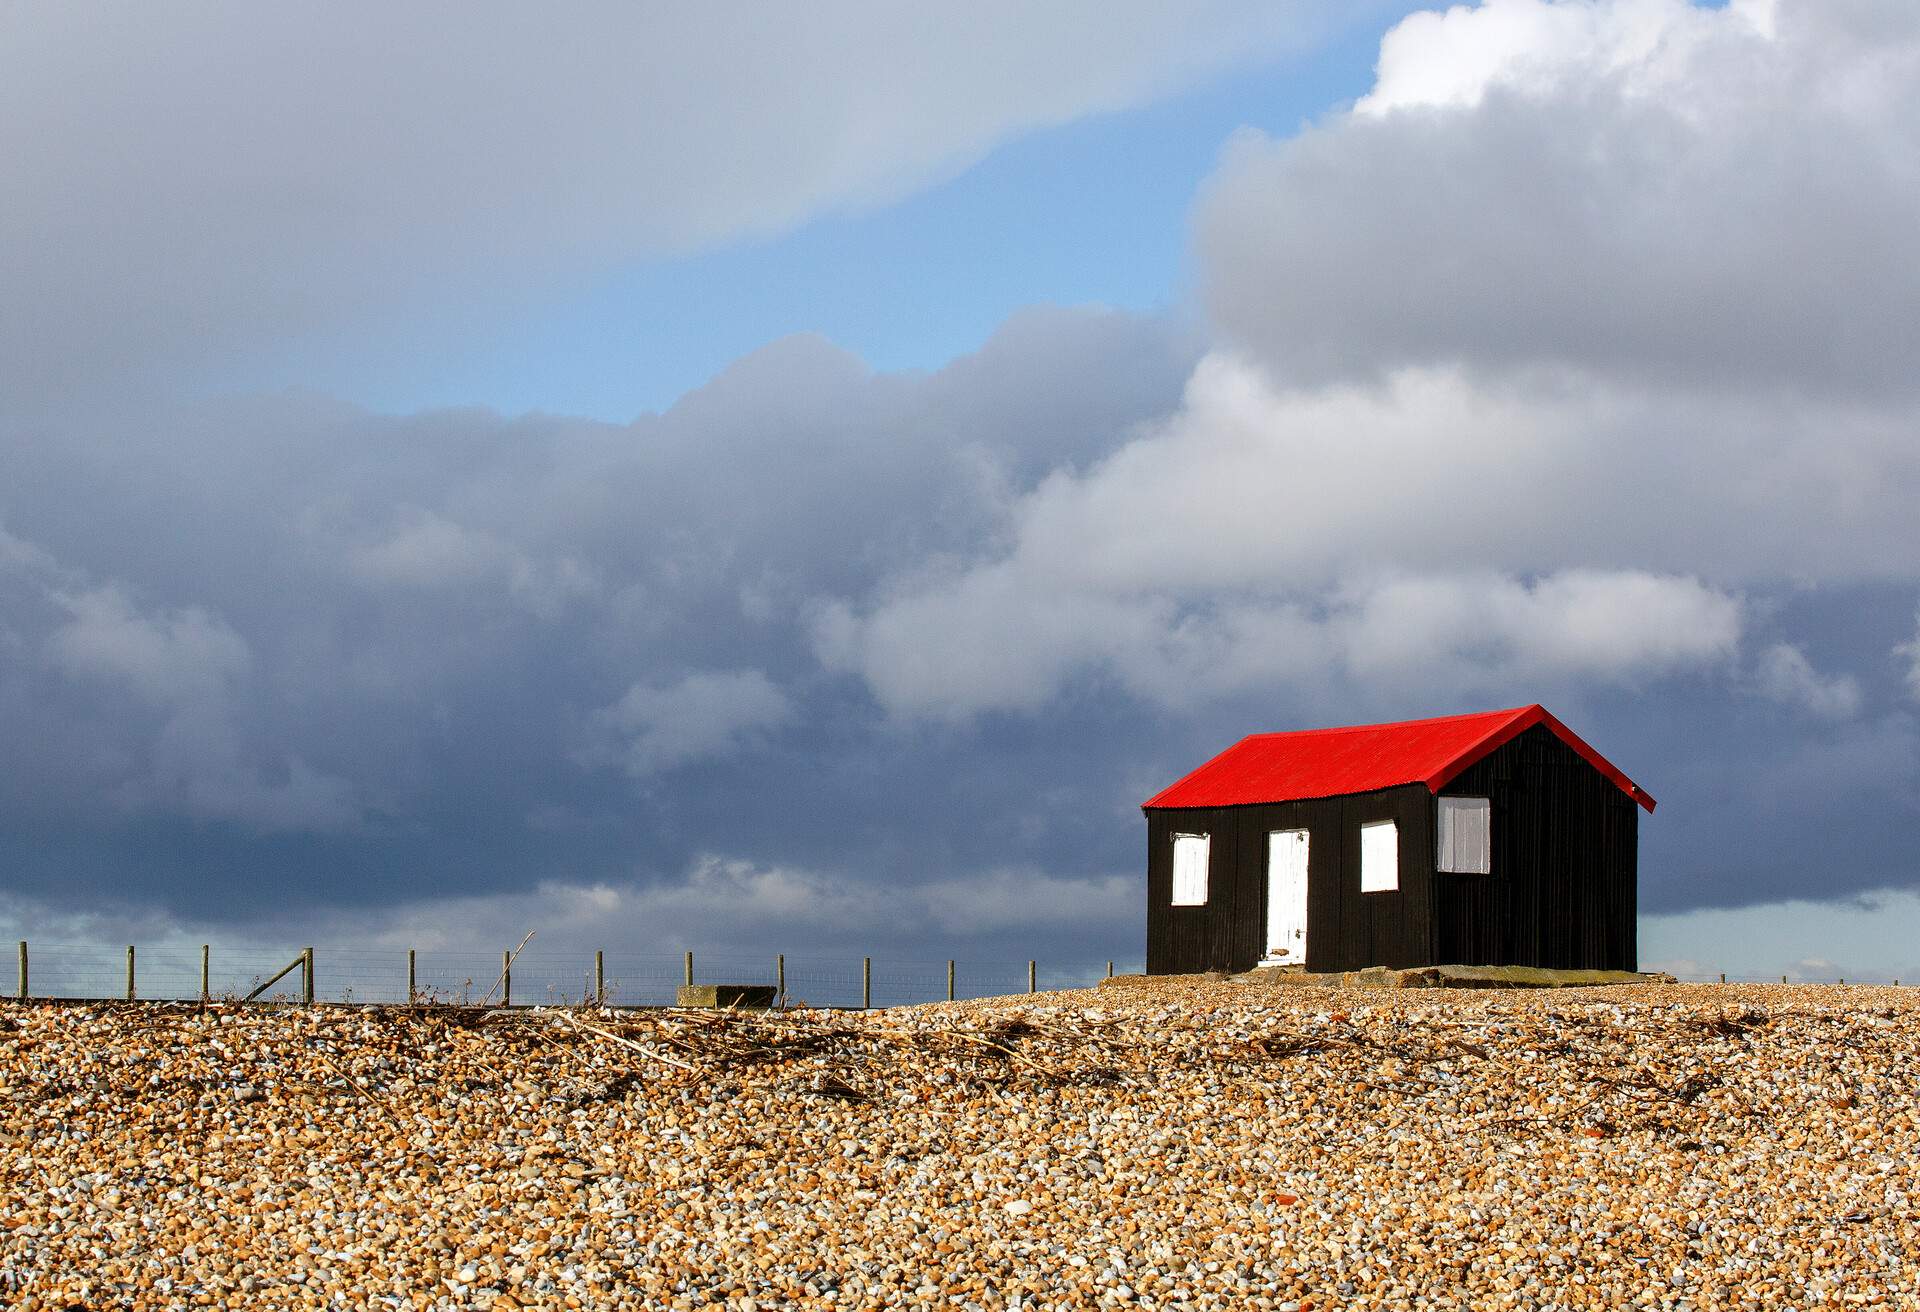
1285	767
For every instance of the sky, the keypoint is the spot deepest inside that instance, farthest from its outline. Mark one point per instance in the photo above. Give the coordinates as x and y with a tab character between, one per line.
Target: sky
758	480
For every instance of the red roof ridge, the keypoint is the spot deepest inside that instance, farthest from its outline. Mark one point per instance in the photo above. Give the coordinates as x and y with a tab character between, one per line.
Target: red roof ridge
1403	752
1391	724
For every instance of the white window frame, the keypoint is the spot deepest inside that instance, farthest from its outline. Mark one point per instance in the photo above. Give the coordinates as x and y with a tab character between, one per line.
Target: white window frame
1191	891
1380	860
1450	854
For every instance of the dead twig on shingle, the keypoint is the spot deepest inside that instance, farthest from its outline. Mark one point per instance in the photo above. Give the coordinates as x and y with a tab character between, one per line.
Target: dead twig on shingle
624	1042
358	1087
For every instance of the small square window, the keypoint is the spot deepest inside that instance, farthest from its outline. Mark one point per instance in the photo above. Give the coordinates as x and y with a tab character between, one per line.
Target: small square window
1190	852
1379	857
1463	836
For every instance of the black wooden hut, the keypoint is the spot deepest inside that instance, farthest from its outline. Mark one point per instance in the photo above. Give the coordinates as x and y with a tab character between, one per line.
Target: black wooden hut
1492	839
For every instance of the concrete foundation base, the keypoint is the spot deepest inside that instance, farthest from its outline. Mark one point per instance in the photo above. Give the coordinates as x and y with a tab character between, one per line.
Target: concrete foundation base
1421	977
1454	977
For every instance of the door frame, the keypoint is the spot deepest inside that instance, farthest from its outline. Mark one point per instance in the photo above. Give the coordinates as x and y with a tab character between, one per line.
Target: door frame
1296	954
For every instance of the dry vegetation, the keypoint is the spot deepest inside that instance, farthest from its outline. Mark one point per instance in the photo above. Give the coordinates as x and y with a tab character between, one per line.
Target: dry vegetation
1154	1145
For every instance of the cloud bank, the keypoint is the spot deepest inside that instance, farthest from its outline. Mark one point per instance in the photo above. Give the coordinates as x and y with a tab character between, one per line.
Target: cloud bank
1570	364
186	186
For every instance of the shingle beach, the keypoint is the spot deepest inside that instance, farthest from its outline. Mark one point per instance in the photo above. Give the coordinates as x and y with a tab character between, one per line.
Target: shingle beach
1156	1145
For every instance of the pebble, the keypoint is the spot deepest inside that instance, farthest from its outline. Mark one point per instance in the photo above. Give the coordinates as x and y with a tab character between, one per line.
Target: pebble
1163	1144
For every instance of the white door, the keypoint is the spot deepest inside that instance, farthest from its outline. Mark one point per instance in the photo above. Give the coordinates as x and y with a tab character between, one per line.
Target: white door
1287	897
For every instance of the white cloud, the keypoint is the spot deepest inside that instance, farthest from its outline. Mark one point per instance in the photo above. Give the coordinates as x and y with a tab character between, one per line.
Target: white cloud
187	186
739	893
1453	58
1266	536
1603	624
705	714
720	902
1640	189
430	552
1909	652
1261	488
719	897
170	659
988	641
1518	354
188	669
20	556
1784	674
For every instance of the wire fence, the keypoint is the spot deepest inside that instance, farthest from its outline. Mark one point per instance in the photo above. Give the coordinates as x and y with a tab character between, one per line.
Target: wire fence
532	977
528	978
1867	980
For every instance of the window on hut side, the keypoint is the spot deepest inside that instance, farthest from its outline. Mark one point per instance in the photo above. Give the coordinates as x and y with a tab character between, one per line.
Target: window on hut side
1379	857
1464	836
1190	869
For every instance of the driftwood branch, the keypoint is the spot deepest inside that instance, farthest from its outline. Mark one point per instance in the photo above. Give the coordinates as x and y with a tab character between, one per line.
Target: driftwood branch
511	958
625	1042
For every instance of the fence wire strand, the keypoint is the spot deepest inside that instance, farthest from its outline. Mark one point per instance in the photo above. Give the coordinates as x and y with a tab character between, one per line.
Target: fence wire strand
175	972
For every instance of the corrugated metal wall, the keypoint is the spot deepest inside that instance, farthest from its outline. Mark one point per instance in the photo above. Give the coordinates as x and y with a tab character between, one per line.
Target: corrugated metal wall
1346	929
1563	891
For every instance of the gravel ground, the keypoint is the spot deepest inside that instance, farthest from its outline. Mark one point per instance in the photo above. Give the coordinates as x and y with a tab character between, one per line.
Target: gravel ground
1159	1145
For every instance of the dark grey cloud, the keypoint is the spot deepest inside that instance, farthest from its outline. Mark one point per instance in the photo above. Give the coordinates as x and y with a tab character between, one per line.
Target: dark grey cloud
827	655
276	652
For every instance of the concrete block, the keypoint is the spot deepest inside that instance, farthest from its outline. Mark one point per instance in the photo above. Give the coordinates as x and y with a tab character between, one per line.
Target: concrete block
745	996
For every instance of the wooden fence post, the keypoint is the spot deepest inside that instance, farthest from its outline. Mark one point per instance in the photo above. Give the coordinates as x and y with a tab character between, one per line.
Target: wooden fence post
949	979
506	978
1109	970
1032	976
780	979
412	991
866	982
599	978
23	970
307	974
689	970
206	962
129	972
